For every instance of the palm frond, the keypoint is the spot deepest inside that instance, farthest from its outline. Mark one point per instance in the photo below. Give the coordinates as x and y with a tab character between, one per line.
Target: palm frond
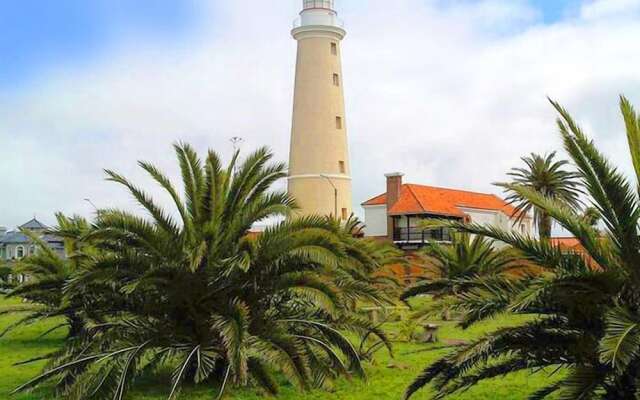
621	343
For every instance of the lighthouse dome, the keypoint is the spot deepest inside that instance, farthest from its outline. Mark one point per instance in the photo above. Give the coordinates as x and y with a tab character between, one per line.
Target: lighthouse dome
319	13
327	4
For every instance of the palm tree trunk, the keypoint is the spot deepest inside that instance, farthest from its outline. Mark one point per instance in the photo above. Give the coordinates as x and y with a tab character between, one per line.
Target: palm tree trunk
544	226
623	388
446	314
76	326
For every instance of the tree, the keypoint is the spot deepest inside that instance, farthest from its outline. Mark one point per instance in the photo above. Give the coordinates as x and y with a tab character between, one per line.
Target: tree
591	216
5	281
452	269
47	273
367	259
206	297
547	177
584	308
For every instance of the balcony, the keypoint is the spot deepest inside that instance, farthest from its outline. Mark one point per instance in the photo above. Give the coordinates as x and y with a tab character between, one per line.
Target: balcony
420	237
318	20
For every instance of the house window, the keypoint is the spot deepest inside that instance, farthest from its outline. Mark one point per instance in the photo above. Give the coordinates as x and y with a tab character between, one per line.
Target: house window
334	48
446	235
19	252
32	250
344	213
343	169
338	122
336	79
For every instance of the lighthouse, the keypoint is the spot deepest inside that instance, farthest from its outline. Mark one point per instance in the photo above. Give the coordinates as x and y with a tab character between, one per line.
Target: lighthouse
319	169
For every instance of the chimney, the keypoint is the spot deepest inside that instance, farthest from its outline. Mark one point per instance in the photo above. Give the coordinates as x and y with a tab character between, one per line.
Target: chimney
394	185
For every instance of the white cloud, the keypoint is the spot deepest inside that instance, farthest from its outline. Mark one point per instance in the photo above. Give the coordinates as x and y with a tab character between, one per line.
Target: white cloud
609	8
498	16
449	94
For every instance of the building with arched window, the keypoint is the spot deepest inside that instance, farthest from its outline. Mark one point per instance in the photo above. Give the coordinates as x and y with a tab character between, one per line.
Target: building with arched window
16	244
19	251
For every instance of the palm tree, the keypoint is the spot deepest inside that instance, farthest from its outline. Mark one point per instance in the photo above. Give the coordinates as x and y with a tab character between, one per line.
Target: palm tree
585	318
547	177
366	261
203	296
5	281
452	269
47	273
592	216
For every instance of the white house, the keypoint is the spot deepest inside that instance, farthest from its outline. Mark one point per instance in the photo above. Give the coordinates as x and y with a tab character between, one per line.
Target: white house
396	214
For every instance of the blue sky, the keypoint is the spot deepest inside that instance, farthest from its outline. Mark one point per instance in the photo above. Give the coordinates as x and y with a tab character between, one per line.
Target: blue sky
37	34
554	10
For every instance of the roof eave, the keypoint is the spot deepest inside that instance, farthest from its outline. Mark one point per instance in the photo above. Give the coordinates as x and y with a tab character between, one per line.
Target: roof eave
416	212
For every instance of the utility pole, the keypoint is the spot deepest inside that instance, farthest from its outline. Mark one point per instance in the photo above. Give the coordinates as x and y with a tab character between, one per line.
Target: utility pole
236	141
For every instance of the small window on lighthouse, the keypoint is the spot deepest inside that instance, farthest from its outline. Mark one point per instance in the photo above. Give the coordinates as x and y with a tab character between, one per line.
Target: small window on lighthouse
344	213
342	167
336	79
334	48
338	122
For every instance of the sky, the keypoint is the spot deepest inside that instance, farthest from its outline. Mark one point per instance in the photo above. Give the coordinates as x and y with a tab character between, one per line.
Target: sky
450	92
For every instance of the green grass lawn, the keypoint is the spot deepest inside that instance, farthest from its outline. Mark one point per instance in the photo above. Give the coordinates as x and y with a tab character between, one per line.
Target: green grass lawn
387	378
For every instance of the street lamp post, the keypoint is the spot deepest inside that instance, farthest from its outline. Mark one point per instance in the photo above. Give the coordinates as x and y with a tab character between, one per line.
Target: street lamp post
92	205
335	195
236	141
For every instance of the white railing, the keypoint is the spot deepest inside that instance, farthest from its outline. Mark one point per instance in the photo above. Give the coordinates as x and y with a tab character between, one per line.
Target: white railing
326	20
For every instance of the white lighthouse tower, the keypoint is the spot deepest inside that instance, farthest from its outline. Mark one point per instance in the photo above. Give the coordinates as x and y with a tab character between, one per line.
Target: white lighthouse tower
319	170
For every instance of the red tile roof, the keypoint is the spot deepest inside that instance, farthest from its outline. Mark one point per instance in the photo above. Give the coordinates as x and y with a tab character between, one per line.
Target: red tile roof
573	245
420	199
567	242
376	201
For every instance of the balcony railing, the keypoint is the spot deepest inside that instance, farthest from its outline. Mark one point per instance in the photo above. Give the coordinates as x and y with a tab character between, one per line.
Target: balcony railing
322	20
420	236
